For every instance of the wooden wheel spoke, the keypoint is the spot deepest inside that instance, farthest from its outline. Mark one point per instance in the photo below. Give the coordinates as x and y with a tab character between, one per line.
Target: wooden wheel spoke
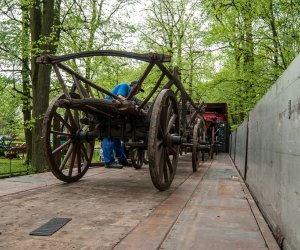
139	157
77	115
67	156
84	151
198	134
71	119
72	163
166	175
164	117
171	122
60	133
160	162
159	149
160	133
63	121
162	124
173	150
79	159
62	146
170	110
159	143
140	161
169	164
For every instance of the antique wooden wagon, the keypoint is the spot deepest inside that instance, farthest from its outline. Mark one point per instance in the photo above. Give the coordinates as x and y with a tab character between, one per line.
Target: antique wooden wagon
77	117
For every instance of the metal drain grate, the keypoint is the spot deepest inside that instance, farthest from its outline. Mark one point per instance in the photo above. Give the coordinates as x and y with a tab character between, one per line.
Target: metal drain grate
50	227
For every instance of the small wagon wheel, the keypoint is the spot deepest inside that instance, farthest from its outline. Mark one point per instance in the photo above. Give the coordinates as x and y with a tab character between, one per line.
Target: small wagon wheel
137	157
198	139
163	155
68	154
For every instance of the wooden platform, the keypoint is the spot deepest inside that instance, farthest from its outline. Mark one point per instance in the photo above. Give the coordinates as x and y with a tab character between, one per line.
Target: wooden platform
121	209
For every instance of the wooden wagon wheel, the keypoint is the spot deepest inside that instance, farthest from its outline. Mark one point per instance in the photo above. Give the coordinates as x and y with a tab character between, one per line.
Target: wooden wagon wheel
68	154
137	157
163	155
198	138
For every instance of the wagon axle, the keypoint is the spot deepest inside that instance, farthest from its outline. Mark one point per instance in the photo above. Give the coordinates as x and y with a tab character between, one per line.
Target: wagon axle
177	139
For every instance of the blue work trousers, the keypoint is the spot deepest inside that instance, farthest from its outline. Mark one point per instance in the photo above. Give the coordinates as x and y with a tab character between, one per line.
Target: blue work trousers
108	147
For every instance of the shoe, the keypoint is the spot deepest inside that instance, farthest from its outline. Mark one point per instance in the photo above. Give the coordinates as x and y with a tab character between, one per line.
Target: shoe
114	165
124	162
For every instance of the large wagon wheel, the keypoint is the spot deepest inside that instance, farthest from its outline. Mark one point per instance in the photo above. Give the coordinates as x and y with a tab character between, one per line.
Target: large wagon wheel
68	153
163	155
198	139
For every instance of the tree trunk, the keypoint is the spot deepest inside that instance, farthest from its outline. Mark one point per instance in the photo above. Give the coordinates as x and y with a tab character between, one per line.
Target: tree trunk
39	108
95	23
27	113
26	100
35	30
41	80
248	43
191	76
276	44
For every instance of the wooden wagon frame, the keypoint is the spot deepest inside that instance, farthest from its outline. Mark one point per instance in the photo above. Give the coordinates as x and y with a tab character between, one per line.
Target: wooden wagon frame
76	118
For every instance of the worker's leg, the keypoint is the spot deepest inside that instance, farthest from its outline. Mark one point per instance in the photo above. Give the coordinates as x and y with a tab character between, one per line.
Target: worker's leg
109	159
107	151
120	154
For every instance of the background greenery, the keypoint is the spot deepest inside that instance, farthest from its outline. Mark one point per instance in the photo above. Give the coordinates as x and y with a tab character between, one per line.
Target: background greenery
228	50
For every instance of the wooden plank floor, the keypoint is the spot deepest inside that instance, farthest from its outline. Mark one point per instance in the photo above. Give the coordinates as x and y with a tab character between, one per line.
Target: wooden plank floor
121	209
215	215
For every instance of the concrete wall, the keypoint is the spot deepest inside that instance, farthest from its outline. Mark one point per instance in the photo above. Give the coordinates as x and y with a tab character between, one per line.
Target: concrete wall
240	148
273	158
232	146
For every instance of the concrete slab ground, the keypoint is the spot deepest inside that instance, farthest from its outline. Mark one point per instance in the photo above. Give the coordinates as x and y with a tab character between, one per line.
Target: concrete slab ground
121	209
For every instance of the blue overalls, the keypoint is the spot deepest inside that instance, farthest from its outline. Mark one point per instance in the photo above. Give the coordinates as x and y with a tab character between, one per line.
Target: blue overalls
109	146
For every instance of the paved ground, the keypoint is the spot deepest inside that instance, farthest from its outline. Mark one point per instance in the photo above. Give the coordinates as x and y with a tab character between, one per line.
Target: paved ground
121	209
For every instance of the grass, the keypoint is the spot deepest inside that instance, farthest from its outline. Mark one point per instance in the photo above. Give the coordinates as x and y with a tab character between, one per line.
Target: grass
16	166
96	155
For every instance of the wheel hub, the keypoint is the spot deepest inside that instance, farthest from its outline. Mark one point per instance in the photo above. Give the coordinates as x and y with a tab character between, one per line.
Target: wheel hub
81	136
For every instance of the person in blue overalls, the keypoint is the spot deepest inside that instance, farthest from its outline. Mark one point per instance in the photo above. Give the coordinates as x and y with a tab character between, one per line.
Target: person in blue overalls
109	146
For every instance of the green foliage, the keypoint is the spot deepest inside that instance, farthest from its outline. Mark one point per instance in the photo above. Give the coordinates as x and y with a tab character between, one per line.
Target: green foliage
257	41
10	113
227	51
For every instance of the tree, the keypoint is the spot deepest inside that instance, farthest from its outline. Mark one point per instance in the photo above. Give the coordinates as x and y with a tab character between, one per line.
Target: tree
96	25
174	28
26	96
258	42
15	59
10	113
44	27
